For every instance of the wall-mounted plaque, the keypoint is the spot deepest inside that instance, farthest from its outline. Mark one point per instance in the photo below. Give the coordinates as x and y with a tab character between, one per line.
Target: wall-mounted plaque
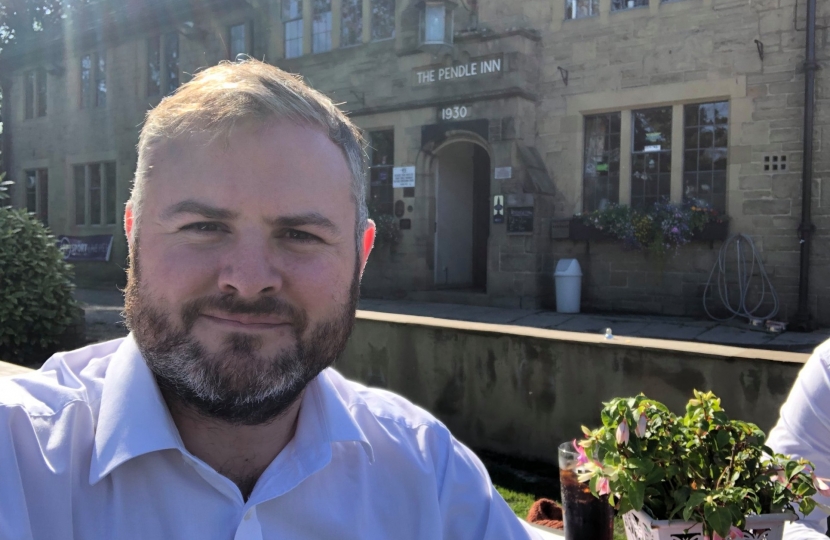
403	177
519	219
503	173
405	224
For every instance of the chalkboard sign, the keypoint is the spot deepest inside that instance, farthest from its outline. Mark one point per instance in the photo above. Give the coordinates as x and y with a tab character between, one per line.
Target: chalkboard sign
519	219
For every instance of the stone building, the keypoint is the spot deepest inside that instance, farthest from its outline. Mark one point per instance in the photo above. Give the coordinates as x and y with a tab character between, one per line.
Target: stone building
515	115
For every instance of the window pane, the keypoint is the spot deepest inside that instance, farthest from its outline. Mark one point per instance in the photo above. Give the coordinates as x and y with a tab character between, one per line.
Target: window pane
383	19
238	45
351	22
651	156
154	66
321	26
171	61
706	148
101	80
292	9
577	9
111	208
627	4
294	39
382	147
43	195
30	94
601	178
80	193
86	80
95	194
434	23
40	84
31	191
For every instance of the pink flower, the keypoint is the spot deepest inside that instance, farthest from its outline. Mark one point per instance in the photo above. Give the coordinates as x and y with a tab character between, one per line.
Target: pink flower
779	476
603	487
622	433
582	457
821	485
642	423
734	533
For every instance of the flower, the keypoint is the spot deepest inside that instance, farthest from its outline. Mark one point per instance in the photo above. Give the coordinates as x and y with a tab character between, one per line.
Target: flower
734	533
622	433
603	487
675	230
642	423
821	485
582	457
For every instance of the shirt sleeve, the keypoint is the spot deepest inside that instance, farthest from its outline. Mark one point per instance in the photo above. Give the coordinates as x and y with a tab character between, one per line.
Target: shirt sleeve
803	431
471	507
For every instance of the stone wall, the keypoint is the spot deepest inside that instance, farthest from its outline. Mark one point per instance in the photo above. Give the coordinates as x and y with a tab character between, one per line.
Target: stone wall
523	391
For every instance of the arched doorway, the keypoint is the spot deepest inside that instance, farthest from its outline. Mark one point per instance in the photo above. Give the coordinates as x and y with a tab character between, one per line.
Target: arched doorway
462	215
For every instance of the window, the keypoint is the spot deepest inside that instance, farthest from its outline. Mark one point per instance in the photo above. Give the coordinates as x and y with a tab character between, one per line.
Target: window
436	24
383	19
321	26
705	144
35	90
95	193
37	193
292	17
351	22
577	9
93	80
381	194
162	64
238	41
617	5
601	172
650	156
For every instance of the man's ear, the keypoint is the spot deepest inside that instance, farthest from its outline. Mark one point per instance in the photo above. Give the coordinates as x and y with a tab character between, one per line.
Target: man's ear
368	241
129	222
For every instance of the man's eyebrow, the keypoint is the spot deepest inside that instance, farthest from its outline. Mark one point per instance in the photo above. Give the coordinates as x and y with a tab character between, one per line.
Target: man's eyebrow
314	219
195	207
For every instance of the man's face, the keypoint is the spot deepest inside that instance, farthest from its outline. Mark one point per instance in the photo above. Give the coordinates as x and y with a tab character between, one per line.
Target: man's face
245	271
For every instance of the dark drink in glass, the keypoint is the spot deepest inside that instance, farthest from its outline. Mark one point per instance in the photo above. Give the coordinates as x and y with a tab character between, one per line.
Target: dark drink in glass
586	517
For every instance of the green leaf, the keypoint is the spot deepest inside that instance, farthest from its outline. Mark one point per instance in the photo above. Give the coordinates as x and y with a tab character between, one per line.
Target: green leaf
719	518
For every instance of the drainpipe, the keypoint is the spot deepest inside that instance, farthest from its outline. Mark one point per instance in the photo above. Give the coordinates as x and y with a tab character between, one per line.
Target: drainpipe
6	116
803	319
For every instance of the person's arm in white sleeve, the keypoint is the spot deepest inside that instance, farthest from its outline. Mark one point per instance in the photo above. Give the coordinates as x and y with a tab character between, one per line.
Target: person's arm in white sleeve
472	509
803	431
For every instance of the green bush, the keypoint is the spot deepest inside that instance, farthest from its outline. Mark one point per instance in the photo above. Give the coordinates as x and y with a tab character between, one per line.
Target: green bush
36	302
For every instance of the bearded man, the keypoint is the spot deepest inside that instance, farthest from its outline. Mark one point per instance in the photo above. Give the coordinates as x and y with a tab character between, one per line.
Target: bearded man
219	417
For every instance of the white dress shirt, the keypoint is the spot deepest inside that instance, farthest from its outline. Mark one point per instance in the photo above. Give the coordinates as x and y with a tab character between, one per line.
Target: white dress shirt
803	430
88	450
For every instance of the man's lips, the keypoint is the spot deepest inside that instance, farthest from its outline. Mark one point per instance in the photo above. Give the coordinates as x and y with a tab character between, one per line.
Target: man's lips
243	321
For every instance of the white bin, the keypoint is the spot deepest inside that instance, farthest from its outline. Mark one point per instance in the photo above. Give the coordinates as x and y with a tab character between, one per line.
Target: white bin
568	277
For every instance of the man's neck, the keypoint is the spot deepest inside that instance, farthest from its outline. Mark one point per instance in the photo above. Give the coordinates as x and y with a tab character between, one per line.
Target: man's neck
240	453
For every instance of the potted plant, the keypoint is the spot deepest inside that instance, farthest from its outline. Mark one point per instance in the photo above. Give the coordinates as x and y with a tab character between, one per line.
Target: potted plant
697	476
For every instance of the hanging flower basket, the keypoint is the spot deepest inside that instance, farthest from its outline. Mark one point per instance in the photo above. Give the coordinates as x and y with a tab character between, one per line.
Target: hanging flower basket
639	526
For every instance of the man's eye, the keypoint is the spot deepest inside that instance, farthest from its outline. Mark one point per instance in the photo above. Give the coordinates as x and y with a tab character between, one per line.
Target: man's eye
203	227
300	236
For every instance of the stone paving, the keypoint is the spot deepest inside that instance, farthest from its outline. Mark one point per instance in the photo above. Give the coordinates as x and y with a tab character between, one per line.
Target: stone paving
104	321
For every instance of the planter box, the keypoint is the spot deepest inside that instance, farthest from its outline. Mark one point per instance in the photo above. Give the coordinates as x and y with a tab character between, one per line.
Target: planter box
580	232
639	526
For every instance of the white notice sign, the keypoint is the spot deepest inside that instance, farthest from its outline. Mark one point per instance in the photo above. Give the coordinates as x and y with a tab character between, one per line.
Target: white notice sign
652	148
503	173
403	177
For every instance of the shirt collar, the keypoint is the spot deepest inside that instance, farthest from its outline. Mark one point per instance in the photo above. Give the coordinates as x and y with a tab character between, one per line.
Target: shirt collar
134	420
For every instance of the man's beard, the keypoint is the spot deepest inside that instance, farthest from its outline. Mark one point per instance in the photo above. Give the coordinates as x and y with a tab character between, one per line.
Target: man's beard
235	385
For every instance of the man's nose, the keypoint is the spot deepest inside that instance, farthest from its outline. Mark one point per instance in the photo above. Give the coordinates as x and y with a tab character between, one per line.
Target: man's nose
251	268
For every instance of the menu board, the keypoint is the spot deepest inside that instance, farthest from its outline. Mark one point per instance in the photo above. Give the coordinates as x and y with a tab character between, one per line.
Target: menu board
519	219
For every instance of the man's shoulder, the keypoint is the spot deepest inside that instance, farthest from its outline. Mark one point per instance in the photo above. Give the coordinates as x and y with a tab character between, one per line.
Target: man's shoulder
383	406
65	378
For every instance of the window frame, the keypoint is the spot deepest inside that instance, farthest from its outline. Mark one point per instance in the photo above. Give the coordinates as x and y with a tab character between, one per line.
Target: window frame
35	93
372	26
359	12
387	187
295	22
570	9
608	152
164	48
41	192
92	100
624	7
107	194
247	28
698	150
327	31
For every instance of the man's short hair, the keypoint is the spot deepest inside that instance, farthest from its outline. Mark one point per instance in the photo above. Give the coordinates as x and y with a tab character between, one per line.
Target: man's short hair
234	93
